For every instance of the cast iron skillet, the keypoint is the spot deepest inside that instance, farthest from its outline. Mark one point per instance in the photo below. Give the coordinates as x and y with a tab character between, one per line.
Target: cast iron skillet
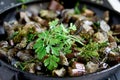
11	73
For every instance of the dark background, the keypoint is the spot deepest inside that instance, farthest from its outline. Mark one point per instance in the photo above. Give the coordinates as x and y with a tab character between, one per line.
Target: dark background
4	4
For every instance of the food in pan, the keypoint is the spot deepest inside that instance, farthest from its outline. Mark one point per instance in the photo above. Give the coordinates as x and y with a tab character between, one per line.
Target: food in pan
56	41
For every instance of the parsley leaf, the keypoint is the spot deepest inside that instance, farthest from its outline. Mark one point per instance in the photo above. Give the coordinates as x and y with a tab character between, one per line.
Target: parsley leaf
53	41
51	62
91	50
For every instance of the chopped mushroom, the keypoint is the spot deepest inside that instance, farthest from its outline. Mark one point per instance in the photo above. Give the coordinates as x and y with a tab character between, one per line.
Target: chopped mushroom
63	60
76	72
12	52
59	72
106	16
24	55
30	67
30	45
8	28
77	65
104	26
86	28
113	45
23	17
116	28
67	14
48	14
77	69
100	37
55	6
3	52
40	20
22	44
113	54
103	65
4	44
91	67
88	13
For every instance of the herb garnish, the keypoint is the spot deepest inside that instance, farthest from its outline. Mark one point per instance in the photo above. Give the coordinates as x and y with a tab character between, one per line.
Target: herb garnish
78	10
90	50
53	41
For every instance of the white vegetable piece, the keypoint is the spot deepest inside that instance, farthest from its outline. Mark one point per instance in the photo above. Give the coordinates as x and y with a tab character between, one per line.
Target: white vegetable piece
104	26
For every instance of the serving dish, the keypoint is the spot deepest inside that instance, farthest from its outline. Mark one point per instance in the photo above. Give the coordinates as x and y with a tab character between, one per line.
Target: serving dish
6	16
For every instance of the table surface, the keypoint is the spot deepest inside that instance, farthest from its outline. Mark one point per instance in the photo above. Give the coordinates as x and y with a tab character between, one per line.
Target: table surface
4	4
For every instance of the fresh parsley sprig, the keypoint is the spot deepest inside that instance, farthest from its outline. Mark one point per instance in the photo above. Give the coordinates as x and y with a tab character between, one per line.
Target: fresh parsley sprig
91	50
53	41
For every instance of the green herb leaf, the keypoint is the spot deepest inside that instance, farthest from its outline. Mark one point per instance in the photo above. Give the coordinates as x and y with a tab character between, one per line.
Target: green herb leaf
90	50
77	11
53	23
72	27
53	41
40	49
30	37
51	62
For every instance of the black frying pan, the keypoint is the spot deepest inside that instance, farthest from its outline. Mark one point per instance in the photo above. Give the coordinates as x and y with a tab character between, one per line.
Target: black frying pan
11	73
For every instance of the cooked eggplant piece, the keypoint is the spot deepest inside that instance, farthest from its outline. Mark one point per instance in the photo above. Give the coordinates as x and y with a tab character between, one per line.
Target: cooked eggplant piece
88	13
32	68
76	72
104	26
79	17
22	44
107	50
4	44
40	20
63	60
3	52
38	66
35	27
59	72
87	22
47	14
111	38
113	54
103	65
34	9
113	45
113	58
67	14
91	67
84	27
116	28
30	45
23	17
77	65
8	28
106	16
24	55
77	69
12	53
55	6
100	37
11	42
